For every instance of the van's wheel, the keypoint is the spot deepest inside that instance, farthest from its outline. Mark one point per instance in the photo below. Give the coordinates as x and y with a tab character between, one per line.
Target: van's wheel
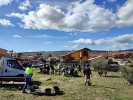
21	75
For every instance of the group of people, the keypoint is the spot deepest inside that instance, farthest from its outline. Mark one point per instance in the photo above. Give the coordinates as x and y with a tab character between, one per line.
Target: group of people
72	70
46	69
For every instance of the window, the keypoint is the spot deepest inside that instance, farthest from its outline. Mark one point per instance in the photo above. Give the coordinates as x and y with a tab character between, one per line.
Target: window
72	58
13	64
85	53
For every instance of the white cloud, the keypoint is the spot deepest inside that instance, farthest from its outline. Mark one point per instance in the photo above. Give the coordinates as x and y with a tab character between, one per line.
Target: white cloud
40	36
5	2
61	37
5	22
15	15
30	51
17	36
119	42
84	41
24	5
66	46
100	42
75	46
73	33
81	16
123	39
47	42
125	14
111	0
120	46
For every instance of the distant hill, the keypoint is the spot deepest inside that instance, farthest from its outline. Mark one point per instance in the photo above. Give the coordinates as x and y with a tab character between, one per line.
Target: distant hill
47	53
28	53
98	51
116	50
126	50
63	52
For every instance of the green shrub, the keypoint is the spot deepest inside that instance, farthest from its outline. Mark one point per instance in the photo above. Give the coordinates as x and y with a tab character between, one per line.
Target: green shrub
99	65
127	73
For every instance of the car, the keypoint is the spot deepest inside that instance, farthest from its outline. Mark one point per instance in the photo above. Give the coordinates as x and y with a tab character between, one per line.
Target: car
34	64
40	64
113	68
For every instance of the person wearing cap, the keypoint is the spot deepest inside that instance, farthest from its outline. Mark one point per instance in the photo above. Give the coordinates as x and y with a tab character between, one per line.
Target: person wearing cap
87	73
28	75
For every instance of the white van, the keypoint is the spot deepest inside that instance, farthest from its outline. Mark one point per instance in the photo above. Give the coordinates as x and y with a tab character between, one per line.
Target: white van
11	67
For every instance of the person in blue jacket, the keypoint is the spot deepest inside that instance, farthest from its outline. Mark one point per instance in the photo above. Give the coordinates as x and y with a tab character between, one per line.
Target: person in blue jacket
87	74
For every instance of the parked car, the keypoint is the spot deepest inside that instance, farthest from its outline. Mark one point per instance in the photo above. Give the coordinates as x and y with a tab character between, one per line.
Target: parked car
37	64
34	64
40	64
113	68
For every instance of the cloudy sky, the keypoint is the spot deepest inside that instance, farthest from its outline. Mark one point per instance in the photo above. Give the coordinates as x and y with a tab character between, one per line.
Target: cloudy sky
52	25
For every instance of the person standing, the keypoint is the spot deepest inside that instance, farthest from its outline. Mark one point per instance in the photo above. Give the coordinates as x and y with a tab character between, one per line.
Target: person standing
87	74
79	68
52	69
28	75
48	68
59	68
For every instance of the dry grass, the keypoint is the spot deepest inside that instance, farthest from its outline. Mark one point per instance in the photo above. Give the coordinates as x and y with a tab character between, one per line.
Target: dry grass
112	87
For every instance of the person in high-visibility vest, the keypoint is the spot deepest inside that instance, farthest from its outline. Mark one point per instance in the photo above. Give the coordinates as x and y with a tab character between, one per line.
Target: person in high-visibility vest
28	75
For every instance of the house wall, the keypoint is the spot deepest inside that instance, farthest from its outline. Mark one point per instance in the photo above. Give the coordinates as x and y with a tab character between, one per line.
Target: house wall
81	55
84	58
76	56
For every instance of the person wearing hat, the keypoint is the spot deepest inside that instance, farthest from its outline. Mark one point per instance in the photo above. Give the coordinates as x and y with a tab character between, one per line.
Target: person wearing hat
87	74
28	75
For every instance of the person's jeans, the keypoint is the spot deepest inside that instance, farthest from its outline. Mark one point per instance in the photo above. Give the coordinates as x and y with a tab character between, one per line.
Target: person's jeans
87	78
27	80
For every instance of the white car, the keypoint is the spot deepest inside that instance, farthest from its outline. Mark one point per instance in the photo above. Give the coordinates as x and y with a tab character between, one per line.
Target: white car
34	65
40	64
